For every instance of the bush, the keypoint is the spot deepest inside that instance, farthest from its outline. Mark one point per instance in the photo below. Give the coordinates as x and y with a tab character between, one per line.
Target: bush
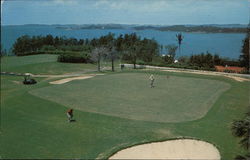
42	52
48	48
177	65
229	71
244	71
183	59
74	57
31	53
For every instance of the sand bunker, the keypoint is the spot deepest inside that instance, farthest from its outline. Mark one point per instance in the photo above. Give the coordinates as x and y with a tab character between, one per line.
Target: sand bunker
65	80
238	78
174	149
17	82
61	81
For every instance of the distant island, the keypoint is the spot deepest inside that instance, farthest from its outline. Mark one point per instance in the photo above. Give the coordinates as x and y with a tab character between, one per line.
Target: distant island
212	28
91	26
198	28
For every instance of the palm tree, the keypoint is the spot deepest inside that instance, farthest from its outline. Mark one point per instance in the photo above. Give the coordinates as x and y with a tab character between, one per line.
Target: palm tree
179	37
241	128
244	57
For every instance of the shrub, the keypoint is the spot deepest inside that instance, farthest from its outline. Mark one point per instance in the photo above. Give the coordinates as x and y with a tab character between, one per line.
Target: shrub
48	48
245	71
74	57
229	71
41	52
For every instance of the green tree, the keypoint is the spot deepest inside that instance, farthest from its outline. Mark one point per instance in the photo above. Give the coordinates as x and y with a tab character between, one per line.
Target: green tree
217	60
134	50
244	57
170	54
113	54
149	50
130	48
241	129
202	60
49	40
3	51
23	44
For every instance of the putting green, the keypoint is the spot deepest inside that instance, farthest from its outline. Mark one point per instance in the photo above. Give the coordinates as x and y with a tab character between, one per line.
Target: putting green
128	95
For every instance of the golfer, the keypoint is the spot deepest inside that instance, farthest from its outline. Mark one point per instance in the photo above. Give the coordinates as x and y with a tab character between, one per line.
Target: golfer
152	79
70	114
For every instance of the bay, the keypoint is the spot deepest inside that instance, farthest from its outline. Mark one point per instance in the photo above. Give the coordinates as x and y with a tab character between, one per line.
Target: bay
224	44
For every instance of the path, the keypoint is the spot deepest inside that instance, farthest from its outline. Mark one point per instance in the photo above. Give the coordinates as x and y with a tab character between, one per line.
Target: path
235	76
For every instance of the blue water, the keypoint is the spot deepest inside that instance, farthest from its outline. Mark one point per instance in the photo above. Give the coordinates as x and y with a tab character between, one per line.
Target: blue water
224	44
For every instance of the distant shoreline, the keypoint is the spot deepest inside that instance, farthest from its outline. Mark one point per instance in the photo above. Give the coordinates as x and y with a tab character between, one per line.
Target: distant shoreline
220	43
206	28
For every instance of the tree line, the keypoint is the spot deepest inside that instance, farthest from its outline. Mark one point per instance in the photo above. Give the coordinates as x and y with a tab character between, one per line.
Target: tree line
244	57
128	48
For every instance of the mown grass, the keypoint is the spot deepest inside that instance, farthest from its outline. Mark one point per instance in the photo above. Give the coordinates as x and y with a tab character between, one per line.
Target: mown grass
129	95
32	127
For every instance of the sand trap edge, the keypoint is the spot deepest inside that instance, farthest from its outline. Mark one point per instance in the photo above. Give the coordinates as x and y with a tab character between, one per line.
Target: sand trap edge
115	150
66	80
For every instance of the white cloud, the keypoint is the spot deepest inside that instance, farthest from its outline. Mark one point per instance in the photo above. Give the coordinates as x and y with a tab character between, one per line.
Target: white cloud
1	7
161	5
135	5
58	2
65	1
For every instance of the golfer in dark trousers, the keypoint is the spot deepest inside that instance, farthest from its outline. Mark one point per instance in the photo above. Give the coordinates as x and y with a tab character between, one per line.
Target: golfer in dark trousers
70	114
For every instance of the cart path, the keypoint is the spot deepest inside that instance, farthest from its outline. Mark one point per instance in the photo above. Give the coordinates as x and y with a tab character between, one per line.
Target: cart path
235	76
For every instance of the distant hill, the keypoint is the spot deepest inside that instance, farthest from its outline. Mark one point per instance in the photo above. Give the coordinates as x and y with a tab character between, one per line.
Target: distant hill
208	28
199	28
91	26
229	25
211	28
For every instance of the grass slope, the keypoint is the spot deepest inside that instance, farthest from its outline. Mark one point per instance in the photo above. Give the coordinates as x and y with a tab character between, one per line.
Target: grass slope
41	64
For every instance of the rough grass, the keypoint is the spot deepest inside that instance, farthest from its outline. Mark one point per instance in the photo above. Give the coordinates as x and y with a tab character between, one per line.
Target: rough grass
129	95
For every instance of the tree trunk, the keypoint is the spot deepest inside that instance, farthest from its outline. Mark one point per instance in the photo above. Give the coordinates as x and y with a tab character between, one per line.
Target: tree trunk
98	65
113	68
134	63
179	50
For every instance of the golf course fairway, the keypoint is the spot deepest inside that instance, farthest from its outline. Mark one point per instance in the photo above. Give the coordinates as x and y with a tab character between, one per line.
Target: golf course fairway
113	111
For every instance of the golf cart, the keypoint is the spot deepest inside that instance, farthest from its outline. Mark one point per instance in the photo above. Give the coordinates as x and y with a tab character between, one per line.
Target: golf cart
28	80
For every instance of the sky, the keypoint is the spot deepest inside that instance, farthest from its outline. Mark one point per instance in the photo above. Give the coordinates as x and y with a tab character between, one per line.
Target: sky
156	12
